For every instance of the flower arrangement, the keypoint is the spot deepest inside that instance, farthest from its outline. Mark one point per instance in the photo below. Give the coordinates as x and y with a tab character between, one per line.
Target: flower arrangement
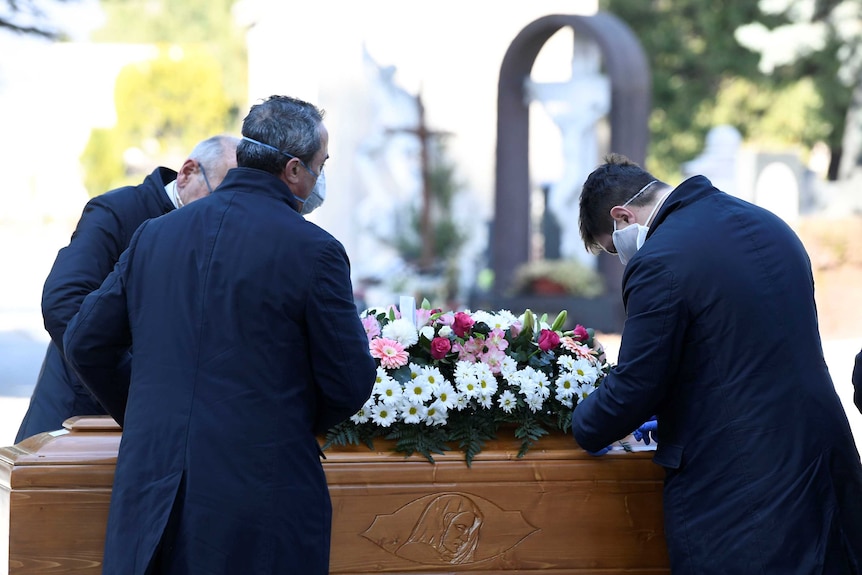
457	377
570	276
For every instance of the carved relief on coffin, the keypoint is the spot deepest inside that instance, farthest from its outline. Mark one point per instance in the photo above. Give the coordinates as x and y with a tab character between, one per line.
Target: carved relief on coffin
451	528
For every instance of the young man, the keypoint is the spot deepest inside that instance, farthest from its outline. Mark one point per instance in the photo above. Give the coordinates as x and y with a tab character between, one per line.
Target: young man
721	344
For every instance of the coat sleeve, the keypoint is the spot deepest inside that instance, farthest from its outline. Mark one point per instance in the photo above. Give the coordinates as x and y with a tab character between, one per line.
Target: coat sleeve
636	387
81	266
857	382
342	366
98	338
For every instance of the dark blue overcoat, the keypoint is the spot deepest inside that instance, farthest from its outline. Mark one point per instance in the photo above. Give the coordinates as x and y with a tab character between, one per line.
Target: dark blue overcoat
721	343
246	342
103	232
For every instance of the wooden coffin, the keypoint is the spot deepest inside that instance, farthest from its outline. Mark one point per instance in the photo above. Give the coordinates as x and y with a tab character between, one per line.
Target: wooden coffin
558	510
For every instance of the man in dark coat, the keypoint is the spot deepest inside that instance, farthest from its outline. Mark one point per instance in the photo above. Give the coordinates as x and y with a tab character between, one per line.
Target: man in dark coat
721	343
103	232
247	344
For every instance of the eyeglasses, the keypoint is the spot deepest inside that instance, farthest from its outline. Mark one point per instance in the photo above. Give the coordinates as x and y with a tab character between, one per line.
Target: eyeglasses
206	179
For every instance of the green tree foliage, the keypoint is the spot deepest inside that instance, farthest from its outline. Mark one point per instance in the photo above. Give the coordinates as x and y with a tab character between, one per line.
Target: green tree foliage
194	87
703	76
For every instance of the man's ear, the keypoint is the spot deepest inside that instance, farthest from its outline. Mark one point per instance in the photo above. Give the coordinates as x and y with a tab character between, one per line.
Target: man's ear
622	214
185	173
291	171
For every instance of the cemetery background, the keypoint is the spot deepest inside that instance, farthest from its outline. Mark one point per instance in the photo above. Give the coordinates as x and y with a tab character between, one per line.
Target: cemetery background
41	205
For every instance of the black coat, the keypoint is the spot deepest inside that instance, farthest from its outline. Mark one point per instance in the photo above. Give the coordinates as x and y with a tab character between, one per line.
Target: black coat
246	343
103	232
721	343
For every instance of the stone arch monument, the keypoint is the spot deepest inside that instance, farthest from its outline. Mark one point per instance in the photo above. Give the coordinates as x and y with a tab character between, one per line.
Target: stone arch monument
625	64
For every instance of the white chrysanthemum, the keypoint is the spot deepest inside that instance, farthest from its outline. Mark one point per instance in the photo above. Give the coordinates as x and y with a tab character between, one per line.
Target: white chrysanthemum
534	401
484	317
437	414
469	386
508	366
507	401
401	330
445	331
418	390
502	320
565	385
361	416
414	413
446	395
584	371
427	332
566	362
486	379
583	390
566	401
486	400
517	378
383	415
415	370
464	369
389	391
433	376
462	402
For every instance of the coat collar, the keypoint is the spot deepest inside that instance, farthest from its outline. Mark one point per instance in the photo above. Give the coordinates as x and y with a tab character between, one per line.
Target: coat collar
252	180
685	194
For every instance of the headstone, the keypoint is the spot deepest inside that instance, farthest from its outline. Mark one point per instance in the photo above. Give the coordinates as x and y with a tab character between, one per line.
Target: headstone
719	160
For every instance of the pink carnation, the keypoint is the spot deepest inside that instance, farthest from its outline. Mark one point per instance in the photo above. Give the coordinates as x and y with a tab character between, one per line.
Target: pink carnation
548	339
462	324
440	346
390	353
580	333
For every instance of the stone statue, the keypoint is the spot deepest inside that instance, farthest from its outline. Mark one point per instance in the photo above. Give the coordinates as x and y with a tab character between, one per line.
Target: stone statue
576	107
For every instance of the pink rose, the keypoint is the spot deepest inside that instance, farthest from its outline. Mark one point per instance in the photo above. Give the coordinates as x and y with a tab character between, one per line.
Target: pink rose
462	324
548	339
580	333
440	346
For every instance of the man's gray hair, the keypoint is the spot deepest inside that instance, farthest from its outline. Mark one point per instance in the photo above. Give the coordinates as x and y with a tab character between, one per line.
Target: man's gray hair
212	151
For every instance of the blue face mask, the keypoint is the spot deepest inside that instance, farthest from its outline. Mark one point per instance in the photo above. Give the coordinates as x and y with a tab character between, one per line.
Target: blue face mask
318	194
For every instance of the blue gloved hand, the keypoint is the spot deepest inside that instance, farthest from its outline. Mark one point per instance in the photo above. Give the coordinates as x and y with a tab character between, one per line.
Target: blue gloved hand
600	451
648	431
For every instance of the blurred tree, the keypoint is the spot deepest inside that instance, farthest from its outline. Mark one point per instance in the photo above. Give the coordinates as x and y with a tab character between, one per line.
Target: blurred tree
820	40
164	107
25	17
703	75
194	88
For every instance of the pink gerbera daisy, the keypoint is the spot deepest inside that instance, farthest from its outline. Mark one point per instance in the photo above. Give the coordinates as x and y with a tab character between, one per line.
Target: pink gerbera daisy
390	353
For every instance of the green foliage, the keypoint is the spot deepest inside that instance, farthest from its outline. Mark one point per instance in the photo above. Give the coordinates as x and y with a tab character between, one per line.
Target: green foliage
193	89
703	77
102	161
446	237
691	49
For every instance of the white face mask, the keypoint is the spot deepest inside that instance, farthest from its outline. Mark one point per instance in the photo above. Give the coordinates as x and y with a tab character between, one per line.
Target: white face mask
315	198
630	239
